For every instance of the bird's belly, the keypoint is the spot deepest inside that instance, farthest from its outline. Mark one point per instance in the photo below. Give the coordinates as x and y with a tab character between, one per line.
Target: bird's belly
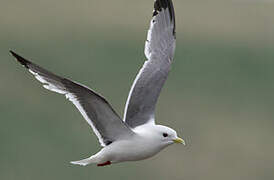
128	151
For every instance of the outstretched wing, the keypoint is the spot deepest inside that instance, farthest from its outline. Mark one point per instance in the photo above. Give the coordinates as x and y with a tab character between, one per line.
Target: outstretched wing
159	50
104	121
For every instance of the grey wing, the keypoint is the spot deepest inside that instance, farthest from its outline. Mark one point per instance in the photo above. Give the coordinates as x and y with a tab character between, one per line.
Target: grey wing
159	50
104	121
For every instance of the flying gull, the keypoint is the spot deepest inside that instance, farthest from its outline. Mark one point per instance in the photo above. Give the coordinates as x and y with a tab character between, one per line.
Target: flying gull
136	137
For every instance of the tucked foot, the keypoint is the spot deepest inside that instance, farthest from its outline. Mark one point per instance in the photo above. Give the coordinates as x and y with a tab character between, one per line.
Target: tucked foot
104	164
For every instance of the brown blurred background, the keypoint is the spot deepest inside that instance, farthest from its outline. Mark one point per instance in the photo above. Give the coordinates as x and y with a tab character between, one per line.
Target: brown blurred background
219	95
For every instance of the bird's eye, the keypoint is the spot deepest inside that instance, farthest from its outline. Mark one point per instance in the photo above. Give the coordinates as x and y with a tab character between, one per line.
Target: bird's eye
165	134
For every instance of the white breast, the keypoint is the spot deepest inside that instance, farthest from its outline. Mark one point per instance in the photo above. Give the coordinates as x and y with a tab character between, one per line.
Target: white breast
141	146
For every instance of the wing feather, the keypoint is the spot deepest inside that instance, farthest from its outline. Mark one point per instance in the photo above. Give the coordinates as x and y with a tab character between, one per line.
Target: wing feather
159	50
105	122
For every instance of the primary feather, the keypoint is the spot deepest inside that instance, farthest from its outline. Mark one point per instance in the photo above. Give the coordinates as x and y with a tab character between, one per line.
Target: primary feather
159	50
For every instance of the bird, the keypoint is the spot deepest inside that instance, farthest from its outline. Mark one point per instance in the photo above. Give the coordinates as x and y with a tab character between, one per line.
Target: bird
136	136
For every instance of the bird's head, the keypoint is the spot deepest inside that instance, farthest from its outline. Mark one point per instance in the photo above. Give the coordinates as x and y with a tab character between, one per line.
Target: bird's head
162	135
167	135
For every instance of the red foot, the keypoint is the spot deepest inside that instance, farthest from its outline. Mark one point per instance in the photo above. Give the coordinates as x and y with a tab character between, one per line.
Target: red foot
104	164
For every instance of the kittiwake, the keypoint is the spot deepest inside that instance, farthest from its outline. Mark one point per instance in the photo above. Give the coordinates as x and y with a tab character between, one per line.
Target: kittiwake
136	136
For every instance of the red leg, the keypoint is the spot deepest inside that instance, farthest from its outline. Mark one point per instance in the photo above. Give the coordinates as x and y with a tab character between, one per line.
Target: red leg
104	164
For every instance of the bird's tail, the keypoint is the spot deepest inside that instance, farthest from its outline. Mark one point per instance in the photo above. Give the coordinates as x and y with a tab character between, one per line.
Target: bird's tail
85	162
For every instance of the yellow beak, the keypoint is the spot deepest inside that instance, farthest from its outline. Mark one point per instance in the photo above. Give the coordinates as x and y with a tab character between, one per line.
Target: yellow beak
179	141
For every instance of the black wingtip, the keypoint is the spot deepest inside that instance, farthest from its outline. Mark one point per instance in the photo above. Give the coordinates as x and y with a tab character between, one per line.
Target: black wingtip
20	59
164	4
159	5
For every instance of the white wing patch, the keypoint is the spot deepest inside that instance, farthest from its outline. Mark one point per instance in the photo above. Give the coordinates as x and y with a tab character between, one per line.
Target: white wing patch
72	98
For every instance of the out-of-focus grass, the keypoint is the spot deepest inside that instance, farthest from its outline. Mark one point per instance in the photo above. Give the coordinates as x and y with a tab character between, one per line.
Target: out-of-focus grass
219	95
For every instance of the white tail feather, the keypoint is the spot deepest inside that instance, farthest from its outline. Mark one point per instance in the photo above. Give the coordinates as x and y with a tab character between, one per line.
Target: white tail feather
84	162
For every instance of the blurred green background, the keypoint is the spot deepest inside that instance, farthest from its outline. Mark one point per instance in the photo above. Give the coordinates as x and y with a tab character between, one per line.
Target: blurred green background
219	94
